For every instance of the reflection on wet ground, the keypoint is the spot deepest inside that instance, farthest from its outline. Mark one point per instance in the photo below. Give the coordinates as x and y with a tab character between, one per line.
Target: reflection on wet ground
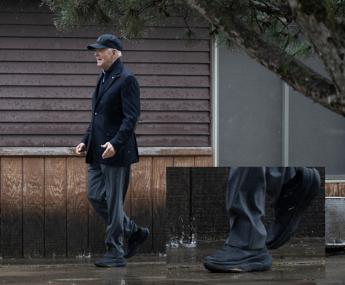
179	266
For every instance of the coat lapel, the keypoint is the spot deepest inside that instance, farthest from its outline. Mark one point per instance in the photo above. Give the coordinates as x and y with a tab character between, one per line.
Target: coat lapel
95	96
115	73
110	81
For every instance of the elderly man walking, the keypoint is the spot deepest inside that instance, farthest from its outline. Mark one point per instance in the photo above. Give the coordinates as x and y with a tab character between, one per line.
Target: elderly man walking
111	148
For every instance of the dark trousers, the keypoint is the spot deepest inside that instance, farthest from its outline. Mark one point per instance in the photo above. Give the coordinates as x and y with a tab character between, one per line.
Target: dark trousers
107	188
245	202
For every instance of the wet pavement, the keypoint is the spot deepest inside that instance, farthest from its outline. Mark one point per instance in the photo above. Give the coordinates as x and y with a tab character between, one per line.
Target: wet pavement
179	266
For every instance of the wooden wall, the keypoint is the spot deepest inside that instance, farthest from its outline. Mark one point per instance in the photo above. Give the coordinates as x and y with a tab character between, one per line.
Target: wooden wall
47	77
45	212
335	189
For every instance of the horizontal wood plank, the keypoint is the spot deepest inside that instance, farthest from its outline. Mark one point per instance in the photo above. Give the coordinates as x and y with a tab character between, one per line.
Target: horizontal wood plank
68	56
90	80
84	117
90	68
85	104
45	116
86	92
80	128
69	151
175	151
175	117
72	140
173	129
77	45
174	105
172	140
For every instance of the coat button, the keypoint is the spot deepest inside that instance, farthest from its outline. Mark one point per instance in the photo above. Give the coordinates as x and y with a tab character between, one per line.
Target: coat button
95	113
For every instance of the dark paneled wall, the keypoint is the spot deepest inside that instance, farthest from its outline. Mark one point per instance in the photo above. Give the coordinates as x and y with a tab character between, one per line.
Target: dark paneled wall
47	77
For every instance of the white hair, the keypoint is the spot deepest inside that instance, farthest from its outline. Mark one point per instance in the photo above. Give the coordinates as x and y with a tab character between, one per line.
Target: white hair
118	52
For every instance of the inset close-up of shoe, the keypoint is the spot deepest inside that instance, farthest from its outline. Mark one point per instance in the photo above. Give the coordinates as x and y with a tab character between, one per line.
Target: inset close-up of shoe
294	221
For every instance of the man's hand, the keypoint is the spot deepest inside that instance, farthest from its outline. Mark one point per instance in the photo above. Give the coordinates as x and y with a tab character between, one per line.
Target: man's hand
80	148
109	150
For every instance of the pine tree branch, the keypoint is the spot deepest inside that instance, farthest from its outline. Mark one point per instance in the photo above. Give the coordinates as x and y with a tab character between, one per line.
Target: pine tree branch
291	70
281	9
326	36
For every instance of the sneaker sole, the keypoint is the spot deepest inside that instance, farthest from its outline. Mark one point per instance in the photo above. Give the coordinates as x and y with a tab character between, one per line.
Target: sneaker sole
291	228
262	262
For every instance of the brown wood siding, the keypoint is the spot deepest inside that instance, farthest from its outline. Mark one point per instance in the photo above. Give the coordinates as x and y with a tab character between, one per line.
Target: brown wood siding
335	189
47	78
45	212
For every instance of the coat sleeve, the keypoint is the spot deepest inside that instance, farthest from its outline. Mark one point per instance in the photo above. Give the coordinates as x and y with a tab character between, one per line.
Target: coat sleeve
130	100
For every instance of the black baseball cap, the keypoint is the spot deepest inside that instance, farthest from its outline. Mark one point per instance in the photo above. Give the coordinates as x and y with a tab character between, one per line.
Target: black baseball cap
106	41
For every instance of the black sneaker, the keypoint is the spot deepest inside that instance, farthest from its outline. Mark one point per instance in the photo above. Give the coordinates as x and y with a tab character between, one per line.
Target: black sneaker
295	198
107	261
235	260
136	239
